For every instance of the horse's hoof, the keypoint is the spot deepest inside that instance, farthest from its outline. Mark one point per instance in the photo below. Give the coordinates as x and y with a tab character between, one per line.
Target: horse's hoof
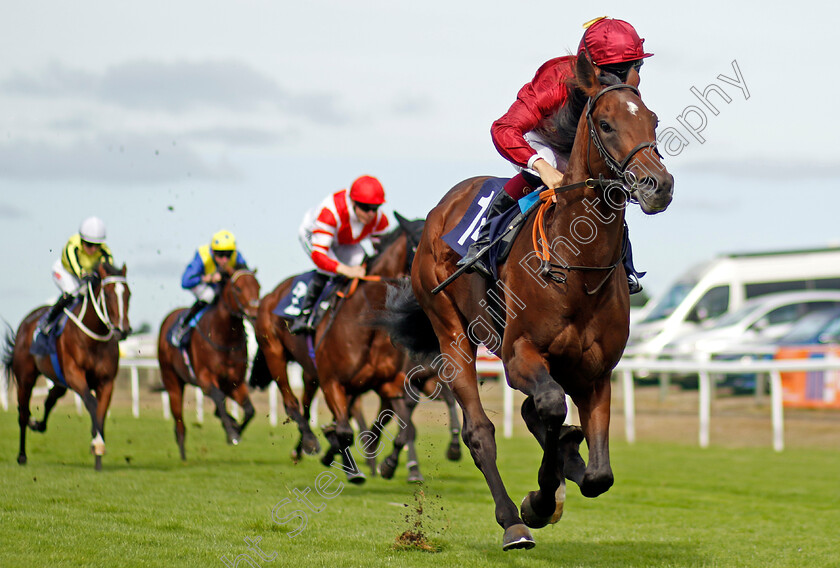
37	426
97	465
310	446
234	441
415	477
327	460
536	521
517	536
97	446
22	459
295	455
453	452
387	468
356	478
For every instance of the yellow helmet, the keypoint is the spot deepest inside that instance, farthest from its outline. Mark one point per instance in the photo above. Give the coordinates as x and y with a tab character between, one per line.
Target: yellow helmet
223	240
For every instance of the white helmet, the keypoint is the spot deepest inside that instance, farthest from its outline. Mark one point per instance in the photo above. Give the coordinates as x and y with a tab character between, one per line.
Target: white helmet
93	230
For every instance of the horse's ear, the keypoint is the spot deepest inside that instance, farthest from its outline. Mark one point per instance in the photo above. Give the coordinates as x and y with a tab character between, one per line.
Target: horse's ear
403	222
586	76
122	272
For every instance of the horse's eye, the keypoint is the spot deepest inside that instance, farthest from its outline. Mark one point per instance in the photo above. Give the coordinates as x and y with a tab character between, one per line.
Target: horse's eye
605	127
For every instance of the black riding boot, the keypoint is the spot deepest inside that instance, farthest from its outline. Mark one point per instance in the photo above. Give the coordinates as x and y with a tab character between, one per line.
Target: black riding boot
501	203
303	322
64	301
633	275
184	326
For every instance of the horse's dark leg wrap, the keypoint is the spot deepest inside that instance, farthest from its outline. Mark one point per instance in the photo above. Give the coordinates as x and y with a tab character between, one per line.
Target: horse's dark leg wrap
248	409
56	392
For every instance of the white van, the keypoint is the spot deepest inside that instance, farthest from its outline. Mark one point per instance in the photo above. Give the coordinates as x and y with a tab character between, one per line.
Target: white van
725	283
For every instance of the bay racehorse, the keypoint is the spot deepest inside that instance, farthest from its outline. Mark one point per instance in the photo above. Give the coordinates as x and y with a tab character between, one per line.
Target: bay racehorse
558	315
87	355
351	358
216	358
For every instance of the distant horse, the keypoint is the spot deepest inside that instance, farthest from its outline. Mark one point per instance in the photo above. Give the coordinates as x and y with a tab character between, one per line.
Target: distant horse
217	356
87	355
558	315
352	357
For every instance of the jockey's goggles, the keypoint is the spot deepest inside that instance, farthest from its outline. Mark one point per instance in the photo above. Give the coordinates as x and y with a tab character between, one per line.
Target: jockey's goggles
366	207
621	70
223	253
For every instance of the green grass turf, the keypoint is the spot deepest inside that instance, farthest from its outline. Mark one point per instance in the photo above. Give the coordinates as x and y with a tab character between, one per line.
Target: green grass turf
672	505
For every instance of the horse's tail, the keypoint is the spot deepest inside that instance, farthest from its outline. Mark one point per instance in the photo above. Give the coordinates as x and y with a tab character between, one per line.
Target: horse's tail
8	350
407	323
260	375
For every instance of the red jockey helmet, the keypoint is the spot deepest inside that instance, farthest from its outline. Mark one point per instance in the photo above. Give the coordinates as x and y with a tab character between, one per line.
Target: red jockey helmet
611	41
367	189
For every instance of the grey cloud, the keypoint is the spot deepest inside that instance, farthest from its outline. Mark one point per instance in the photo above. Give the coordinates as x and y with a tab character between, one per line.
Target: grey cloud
11	212
175	87
412	106
121	161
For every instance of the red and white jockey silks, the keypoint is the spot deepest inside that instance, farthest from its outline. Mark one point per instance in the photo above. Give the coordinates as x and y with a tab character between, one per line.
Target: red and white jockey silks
331	233
536	101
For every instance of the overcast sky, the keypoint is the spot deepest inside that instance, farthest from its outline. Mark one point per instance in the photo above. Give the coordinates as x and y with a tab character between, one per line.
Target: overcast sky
171	120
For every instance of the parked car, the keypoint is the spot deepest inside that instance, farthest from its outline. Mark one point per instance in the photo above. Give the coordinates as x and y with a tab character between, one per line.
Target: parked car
760	321
723	285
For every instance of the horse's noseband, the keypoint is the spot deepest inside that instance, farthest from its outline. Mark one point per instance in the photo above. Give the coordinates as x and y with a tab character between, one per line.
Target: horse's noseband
618	167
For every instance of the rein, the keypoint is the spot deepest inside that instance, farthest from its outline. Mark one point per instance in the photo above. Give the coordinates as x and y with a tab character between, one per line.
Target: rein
612	163
540	240
100	307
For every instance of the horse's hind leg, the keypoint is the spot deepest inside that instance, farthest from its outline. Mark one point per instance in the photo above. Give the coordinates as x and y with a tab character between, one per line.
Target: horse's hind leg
25	382
595	421
175	389
453	452
240	395
359	417
56	392
405	436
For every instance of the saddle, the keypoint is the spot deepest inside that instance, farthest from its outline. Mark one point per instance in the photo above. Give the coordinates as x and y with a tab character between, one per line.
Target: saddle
190	325
466	231
46	345
288	307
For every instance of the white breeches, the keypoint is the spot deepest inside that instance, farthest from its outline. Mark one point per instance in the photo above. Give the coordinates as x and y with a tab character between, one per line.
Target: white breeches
65	280
351	255
204	292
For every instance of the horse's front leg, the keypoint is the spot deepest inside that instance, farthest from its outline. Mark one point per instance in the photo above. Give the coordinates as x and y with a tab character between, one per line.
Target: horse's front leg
56	392
240	396
208	384
338	403
103	398
544	412
595	420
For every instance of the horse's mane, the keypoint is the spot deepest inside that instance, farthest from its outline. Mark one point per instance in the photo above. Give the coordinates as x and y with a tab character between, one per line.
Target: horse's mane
110	269
559	130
